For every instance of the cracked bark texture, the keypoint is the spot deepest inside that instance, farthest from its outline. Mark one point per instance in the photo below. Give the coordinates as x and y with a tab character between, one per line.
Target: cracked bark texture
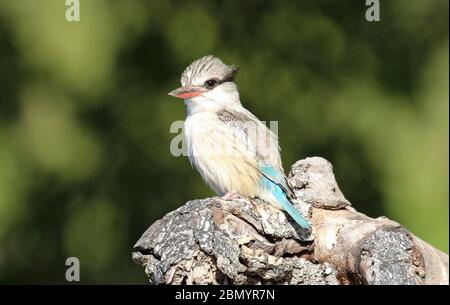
246	241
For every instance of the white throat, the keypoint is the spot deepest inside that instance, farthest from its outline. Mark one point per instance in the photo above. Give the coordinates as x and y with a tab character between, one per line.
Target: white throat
222	96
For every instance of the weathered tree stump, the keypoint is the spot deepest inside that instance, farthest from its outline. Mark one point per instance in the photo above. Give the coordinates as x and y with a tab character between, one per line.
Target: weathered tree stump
246	241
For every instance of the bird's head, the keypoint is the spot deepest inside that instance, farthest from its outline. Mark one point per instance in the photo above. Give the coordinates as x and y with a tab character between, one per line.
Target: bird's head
208	83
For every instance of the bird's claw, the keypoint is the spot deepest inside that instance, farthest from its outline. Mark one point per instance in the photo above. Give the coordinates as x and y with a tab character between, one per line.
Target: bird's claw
230	196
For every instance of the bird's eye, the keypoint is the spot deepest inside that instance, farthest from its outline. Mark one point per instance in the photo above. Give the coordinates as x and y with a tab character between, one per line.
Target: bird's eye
211	83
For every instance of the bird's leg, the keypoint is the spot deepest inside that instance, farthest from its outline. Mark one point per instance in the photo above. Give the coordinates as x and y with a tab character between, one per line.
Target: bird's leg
231	196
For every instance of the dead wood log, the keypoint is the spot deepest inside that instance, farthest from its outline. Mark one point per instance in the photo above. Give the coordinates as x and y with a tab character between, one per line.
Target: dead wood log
213	241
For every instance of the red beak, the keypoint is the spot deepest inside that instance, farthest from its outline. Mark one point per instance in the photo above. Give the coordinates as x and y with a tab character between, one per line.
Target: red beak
188	91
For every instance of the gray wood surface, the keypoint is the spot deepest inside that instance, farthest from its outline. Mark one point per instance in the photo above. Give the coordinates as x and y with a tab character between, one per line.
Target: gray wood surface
214	241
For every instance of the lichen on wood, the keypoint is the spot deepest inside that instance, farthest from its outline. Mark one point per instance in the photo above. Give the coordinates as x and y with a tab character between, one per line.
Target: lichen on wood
247	241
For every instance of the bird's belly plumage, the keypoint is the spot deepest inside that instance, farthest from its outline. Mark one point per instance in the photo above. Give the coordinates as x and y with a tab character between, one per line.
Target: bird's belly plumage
222	159
227	163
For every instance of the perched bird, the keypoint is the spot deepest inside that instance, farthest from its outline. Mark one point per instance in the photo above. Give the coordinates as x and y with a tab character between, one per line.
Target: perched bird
234	152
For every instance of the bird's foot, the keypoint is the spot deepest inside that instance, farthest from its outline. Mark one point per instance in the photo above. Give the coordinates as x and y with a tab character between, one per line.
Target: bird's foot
230	196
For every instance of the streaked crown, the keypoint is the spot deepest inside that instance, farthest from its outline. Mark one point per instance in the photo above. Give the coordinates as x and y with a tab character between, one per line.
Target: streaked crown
205	68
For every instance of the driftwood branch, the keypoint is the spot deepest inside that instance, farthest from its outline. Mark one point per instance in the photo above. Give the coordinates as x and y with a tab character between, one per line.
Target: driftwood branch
214	241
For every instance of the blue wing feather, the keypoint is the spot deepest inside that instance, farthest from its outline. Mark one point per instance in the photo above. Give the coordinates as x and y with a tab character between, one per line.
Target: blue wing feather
274	181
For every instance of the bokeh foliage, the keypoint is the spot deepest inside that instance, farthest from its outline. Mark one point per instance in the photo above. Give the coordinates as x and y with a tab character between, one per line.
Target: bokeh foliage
85	164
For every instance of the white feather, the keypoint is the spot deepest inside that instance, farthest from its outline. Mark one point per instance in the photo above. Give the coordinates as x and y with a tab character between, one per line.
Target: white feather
225	154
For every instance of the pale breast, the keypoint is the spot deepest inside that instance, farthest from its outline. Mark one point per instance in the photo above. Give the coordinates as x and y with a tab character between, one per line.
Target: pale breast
221	155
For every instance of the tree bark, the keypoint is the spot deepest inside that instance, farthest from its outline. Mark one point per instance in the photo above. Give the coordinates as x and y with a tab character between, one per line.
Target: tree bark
246	241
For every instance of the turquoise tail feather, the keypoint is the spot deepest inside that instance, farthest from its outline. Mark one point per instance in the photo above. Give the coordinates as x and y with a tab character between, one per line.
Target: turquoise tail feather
282	198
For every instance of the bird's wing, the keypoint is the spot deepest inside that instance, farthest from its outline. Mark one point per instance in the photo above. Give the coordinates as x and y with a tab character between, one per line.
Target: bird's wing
254	135
262	141
278	178
278	192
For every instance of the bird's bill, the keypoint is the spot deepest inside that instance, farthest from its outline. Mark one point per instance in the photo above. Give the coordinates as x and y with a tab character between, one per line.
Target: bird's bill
187	92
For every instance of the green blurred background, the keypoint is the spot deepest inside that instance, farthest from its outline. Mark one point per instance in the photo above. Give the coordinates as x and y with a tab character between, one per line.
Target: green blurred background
85	164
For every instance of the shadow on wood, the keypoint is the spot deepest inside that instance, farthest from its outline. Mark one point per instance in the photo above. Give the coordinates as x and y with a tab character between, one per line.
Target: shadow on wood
246	241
